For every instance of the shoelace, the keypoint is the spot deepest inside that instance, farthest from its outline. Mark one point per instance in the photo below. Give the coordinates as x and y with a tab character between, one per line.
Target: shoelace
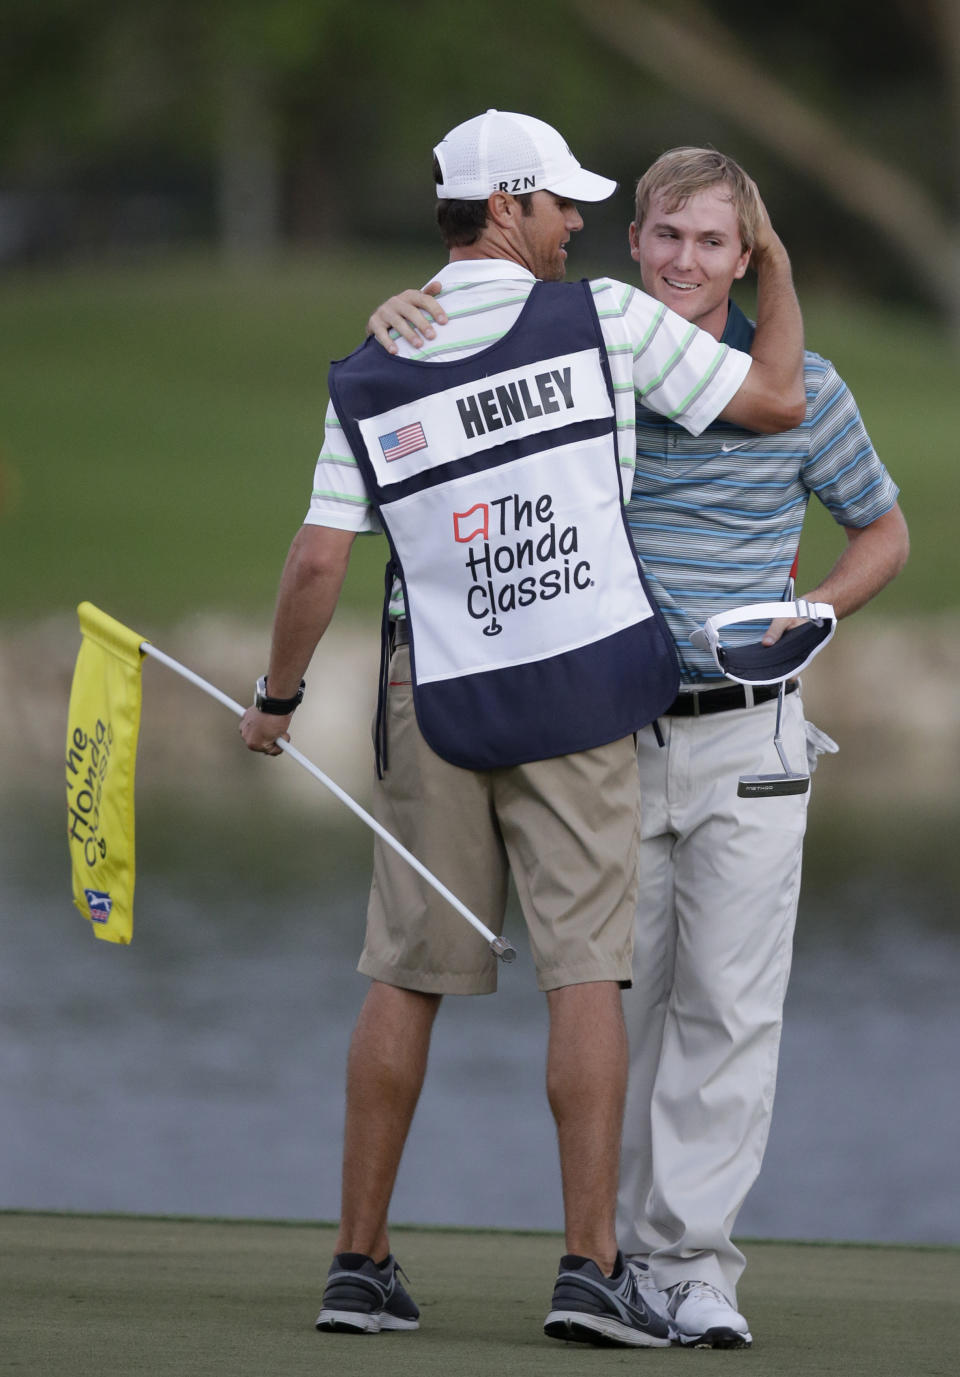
641	1275
639	1282
645	1290
684	1289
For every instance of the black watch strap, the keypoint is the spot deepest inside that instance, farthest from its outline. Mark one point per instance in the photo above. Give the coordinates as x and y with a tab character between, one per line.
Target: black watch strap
277	707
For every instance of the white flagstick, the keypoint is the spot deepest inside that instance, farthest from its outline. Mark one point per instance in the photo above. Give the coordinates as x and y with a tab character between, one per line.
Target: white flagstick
498	945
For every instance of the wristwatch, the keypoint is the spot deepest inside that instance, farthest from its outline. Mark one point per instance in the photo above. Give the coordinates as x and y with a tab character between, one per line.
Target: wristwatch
277	707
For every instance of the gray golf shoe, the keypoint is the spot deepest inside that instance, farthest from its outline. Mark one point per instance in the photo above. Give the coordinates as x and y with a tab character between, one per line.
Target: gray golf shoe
591	1308
362	1298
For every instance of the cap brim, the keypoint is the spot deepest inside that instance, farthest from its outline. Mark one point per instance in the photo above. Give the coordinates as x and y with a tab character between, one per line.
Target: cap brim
756	663
582	186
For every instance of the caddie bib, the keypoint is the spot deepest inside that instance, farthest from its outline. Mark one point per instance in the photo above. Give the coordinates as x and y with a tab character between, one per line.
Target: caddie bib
497	483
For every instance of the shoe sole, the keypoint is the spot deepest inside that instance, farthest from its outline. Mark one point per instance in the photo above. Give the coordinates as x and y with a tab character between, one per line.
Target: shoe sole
598	1330
716	1338
359	1322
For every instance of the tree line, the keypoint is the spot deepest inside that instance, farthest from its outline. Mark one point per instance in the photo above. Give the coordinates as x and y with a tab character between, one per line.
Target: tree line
259	125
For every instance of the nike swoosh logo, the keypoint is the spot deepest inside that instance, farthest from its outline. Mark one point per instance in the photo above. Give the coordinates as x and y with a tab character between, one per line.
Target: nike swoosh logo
728	449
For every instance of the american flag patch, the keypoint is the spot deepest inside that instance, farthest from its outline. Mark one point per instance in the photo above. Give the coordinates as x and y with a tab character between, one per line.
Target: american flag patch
407	440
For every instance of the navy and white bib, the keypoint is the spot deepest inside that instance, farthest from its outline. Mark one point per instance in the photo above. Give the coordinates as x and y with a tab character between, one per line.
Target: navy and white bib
497	483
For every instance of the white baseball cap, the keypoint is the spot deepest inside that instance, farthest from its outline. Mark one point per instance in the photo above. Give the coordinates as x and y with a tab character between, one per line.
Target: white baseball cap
756	663
502	151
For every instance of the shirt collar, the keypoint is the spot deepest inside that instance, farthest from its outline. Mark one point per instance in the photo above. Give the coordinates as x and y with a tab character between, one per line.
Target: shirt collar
738	331
466	272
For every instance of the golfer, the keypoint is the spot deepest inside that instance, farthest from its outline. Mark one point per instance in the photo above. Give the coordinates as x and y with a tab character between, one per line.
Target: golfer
522	654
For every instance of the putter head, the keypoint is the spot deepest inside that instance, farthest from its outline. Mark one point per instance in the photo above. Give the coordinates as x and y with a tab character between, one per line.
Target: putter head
772	786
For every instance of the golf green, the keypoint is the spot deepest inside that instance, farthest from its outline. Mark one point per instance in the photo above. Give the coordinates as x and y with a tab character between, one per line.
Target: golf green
112	1296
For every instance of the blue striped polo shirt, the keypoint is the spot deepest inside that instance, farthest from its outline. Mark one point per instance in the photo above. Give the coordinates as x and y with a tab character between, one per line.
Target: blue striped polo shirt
716	517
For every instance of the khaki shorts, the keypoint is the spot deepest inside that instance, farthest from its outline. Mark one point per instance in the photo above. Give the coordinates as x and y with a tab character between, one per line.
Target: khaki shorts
566	828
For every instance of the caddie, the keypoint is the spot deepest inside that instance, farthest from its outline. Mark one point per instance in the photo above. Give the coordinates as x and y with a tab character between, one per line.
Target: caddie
523	653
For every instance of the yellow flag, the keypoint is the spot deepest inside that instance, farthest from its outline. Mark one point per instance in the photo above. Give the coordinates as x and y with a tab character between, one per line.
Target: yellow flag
102	729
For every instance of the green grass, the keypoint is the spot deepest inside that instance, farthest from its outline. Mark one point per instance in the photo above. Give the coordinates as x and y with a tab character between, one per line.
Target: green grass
158	432
159	426
112	1296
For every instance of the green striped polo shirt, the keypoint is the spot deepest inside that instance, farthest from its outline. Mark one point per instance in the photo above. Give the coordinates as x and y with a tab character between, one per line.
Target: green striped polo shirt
678	371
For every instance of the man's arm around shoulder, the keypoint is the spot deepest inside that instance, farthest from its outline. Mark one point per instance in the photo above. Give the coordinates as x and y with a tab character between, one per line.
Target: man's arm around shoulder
772	396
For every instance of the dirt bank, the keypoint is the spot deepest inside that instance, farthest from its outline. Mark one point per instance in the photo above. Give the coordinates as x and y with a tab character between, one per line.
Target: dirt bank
886	690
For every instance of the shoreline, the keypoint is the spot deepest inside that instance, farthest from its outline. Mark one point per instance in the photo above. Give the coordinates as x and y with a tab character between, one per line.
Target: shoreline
886	691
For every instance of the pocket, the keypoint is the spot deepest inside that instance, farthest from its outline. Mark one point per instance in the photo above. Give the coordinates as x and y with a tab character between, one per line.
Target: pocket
818	744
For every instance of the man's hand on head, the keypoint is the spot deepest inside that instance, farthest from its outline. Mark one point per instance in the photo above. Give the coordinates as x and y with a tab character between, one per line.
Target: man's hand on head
767	240
412	314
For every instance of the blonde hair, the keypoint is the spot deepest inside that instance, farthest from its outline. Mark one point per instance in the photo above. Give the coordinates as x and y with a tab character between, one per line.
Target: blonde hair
683	172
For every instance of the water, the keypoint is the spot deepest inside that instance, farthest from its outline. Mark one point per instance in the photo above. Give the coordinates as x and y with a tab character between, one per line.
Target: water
200	1070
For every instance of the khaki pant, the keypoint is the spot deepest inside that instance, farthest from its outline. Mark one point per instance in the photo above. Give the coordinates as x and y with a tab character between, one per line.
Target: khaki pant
719	885
566	828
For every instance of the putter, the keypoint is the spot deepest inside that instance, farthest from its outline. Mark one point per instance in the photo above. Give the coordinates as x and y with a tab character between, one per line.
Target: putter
773	786
755	663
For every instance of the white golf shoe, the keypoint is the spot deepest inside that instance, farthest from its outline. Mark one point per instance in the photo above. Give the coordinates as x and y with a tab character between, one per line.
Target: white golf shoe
704	1318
